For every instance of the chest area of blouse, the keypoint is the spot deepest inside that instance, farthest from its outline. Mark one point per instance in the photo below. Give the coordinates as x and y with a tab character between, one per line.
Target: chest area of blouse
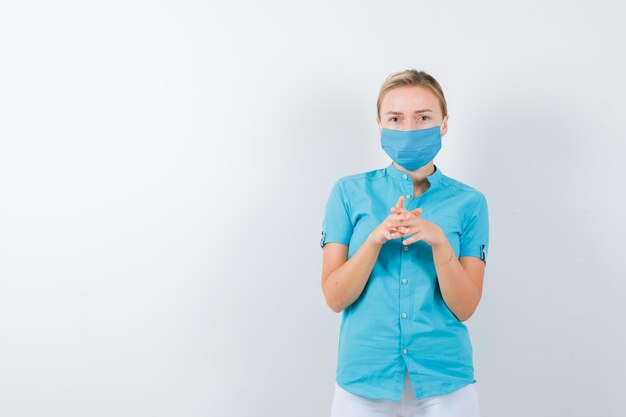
372	206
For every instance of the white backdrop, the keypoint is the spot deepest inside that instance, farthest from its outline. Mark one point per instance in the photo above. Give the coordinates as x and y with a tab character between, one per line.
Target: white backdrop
164	167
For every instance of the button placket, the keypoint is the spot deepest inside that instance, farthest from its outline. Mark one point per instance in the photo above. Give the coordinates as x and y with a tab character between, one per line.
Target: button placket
406	269
406	296
408	188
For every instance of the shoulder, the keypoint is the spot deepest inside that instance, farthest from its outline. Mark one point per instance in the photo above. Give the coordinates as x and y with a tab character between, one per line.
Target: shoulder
468	199
462	189
352	186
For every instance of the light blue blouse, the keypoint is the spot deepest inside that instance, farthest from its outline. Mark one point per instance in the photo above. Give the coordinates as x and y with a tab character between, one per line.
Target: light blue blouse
400	321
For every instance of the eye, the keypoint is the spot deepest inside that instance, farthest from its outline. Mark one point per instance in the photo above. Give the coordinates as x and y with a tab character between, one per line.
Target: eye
393	119
423	117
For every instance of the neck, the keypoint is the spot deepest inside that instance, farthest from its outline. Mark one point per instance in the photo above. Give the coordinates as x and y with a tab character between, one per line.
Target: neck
420	183
419	175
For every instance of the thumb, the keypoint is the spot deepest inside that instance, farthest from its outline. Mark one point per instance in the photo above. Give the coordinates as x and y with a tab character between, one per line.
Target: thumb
417	211
400	202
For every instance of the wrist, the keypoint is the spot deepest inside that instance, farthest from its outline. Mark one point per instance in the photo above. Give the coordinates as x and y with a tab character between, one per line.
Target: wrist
376	240
442	252
442	240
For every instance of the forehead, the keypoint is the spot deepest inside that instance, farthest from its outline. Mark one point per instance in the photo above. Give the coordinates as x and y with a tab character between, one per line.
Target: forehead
409	98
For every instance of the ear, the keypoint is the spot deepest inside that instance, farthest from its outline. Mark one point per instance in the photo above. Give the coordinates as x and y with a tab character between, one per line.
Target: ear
380	127
444	125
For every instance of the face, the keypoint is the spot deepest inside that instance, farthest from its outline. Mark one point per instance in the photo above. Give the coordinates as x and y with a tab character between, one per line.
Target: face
411	108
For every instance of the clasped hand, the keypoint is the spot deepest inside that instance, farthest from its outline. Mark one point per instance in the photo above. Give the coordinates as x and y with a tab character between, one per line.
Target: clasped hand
402	223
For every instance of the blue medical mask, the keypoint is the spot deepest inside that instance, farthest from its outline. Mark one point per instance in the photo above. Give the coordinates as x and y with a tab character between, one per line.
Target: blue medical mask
411	149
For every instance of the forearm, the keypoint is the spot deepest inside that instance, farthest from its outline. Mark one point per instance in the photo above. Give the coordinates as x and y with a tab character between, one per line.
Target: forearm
346	283
458	291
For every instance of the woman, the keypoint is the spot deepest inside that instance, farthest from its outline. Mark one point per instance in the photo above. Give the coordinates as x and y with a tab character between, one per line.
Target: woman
404	254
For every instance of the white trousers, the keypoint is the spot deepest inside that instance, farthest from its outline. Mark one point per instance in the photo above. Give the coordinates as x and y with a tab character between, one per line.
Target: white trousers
460	403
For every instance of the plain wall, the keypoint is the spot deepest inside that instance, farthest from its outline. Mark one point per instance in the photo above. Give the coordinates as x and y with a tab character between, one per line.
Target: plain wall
164	167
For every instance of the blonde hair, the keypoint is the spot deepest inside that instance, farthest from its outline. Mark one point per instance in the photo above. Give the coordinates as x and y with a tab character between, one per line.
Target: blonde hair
412	77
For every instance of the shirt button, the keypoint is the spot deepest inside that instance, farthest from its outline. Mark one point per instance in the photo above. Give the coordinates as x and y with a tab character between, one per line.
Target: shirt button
404	351
404	281
405	176
403	315
408	196
406	248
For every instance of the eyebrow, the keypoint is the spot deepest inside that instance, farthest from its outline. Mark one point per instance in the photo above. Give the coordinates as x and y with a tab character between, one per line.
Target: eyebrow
416	111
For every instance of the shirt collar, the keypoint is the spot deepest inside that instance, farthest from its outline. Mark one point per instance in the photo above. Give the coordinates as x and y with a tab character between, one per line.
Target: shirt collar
434	179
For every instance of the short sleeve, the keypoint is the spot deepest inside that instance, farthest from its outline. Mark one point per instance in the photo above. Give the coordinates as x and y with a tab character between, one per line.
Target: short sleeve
475	234
336	225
